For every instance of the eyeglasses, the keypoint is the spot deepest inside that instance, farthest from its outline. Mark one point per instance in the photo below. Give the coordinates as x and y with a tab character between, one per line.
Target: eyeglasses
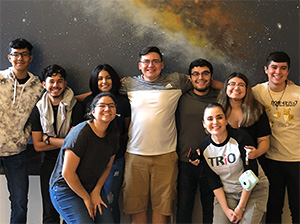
23	55
104	105
197	74
233	84
154	62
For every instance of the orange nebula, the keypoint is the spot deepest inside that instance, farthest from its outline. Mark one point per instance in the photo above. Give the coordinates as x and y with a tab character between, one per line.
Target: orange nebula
204	23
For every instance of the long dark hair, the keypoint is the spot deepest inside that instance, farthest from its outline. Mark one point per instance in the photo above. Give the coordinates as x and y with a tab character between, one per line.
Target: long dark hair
251	108
112	131
114	77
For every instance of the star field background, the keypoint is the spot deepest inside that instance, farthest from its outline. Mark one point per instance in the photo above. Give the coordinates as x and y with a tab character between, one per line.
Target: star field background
78	35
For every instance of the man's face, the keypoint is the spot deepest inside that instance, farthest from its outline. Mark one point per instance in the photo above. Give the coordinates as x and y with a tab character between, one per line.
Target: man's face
55	85
201	79
20	59
151	66
277	72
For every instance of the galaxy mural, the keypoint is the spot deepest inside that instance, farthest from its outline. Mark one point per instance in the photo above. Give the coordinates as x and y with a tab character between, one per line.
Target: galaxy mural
233	35
236	36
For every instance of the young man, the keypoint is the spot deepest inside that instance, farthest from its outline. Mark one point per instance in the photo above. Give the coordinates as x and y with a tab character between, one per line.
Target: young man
190	131
52	118
151	159
19	92
283	158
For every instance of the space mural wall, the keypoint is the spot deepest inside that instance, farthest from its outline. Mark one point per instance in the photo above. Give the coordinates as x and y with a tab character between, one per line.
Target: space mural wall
78	35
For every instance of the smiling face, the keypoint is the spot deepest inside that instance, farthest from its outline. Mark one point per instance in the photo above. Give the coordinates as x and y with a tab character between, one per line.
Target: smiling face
105	110
104	81
151	66
214	121
236	89
18	62
55	85
200	78
277	73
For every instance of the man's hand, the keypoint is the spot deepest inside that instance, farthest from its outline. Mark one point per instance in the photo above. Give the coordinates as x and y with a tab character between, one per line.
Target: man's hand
194	156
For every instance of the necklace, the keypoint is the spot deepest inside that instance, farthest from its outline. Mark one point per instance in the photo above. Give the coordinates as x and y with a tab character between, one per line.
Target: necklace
274	102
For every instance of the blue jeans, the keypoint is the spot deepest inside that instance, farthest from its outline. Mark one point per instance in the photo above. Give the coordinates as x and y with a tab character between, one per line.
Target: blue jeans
189	178
16	172
113	186
72	208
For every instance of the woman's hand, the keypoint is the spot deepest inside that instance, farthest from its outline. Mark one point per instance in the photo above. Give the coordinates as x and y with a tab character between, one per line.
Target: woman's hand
231	215
239	214
97	201
89	205
253	154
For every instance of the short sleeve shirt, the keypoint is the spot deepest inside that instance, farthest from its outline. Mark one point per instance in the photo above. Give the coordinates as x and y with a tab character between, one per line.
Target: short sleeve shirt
94	153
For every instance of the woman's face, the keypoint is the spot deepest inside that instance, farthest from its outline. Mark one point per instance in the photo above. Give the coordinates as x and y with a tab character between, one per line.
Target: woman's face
214	121
236	88
104	81
105	109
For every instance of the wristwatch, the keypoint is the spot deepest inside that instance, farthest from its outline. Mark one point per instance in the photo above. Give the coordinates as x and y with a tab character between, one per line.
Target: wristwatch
47	140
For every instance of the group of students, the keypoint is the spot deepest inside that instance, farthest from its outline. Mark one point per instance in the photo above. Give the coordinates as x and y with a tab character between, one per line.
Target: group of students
148	141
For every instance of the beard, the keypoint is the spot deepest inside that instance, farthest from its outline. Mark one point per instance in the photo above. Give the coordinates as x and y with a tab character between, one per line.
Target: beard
202	89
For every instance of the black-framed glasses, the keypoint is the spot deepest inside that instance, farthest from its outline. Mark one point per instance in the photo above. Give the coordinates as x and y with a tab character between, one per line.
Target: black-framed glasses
197	74
104	105
234	84
23	55
154	62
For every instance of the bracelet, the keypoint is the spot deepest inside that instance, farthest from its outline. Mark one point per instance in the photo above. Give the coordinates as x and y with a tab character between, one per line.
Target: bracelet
243	209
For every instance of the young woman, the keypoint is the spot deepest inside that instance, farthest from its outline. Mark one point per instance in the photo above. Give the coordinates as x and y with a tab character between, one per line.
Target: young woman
245	112
83	166
105	79
224	157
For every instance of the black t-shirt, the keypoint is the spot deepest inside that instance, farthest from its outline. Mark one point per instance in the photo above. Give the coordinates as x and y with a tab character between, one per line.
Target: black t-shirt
260	128
23	81
76	118
123	111
94	153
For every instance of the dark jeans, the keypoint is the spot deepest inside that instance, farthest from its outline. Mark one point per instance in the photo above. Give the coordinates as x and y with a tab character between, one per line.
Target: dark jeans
72	208
50	215
189	177
16	172
112	187
282	175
